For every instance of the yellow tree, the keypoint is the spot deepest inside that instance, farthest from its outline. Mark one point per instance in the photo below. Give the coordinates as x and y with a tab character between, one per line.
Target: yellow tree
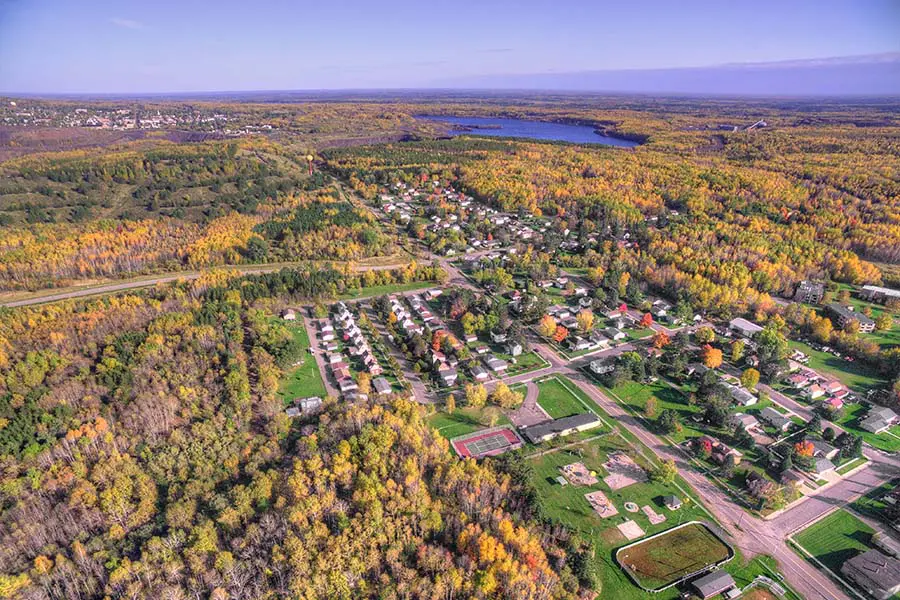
585	320
547	326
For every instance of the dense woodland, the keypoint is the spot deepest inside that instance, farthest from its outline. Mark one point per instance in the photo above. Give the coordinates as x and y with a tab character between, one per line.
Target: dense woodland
84	215
146	456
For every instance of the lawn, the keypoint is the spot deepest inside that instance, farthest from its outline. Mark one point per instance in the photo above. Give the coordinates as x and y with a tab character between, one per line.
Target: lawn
835	539
661	561
380	290
525	362
887	440
557	400
636	395
872	503
850	465
466	420
304	380
855	375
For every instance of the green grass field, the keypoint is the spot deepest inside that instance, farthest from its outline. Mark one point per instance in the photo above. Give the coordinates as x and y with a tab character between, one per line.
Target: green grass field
835	539
663	560
855	375
380	290
557	400
305	380
466	420
636	395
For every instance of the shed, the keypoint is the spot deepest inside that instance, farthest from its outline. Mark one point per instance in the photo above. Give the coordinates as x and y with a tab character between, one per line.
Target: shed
713	584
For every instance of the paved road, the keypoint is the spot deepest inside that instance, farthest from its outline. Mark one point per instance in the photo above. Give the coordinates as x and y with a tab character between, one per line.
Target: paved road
52	296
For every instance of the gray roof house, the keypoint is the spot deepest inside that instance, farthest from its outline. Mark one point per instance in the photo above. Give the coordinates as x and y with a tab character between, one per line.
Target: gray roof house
775	418
874	572
381	385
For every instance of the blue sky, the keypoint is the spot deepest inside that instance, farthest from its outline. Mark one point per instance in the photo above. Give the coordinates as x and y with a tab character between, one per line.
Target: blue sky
127	46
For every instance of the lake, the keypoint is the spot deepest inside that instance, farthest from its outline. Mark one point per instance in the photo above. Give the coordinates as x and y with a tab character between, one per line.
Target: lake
520	128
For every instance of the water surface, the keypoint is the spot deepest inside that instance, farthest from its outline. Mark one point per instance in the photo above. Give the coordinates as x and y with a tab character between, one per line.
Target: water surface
521	128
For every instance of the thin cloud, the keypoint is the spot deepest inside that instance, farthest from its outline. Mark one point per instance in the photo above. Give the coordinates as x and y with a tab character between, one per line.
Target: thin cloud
126	23
496	50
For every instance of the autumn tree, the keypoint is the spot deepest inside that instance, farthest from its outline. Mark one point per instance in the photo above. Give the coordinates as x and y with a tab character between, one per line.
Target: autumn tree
476	395
704	335
711	357
749	378
547	326
585	319
561	333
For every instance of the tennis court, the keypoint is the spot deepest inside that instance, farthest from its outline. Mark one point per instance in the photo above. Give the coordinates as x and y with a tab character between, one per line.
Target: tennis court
487	442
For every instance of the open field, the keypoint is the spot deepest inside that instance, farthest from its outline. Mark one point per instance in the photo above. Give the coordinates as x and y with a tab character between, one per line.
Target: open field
661	561
305	380
636	395
855	375
466	420
558	401
835	539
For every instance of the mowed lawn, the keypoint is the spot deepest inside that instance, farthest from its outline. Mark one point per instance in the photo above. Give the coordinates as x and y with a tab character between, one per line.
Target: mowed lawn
466	420
305	380
636	395
855	375
558	401
835	539
667	558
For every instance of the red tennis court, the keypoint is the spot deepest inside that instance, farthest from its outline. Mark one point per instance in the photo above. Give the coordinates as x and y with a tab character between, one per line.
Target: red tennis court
487	442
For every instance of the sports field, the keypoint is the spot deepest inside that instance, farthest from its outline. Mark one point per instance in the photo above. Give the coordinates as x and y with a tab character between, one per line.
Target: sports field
487	442
661	561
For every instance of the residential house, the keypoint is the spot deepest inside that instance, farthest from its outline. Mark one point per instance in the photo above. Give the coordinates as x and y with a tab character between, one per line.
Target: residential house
720	452
878	419
823	449
775	419
749	422
577	343
814	391
602	366
309	405
822	466
498	337
289	314
496	365
614	334
741	396
381	385
479	373
447	374
833	404
347	385
874	572
514	348
599	340
482	349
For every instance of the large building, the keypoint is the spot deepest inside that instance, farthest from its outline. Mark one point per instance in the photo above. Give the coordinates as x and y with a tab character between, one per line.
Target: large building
744	327
874	293
560	427
876	573
810	292
842	315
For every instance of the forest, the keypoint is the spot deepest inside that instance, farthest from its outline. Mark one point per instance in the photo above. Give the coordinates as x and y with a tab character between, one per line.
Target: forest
146	455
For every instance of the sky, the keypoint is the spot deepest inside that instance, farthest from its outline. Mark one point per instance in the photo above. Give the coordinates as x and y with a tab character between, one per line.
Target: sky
126	46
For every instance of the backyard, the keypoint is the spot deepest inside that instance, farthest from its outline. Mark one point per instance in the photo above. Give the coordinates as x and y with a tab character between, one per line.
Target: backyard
304	380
